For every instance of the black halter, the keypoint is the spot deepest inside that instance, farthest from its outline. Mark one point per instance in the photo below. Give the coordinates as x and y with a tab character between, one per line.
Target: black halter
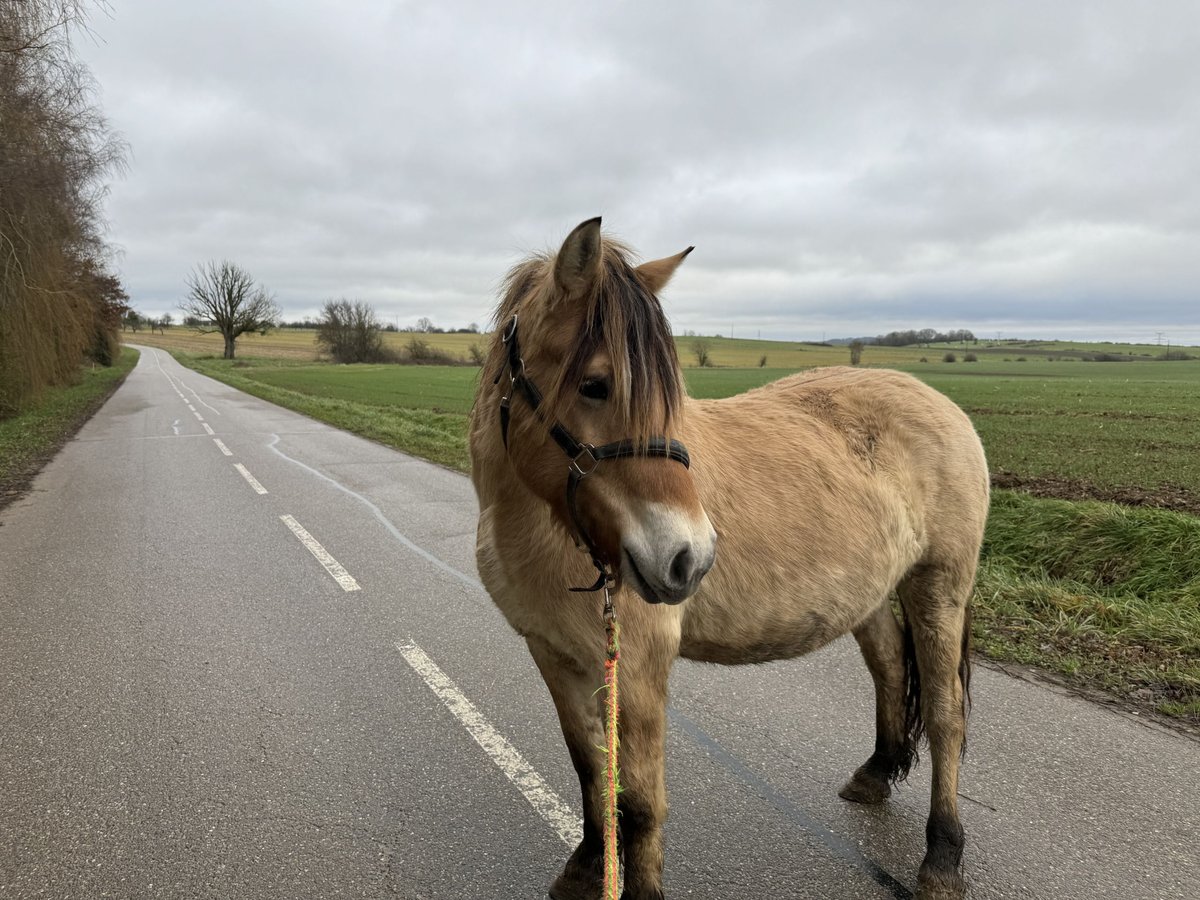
584	458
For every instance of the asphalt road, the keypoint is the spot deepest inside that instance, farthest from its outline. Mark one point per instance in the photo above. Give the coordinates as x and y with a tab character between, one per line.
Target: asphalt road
195	702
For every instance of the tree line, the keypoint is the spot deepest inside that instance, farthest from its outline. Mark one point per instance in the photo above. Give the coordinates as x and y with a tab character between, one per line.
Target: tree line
922	337
60	302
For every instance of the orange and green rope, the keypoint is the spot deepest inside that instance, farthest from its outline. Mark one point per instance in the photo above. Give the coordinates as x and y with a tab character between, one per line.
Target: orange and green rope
612	866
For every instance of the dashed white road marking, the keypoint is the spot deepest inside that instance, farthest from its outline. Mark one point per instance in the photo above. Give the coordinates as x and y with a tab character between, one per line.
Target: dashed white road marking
197	415
170	380
208	428
189	406
221	446
250	479
199	399
383	520
507	758
332	566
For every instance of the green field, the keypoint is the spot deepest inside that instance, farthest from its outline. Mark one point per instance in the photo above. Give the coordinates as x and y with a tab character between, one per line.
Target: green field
1109	424
1104	595
744	353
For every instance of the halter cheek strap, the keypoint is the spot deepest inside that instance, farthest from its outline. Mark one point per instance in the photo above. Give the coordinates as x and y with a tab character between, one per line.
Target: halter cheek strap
583	458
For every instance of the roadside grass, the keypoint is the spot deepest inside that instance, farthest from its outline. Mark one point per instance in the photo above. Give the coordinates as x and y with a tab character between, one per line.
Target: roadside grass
1102	593
29	440
436	435
1105	595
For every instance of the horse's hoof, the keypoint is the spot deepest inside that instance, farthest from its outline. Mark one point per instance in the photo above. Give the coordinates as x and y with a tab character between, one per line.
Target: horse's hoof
940	885
570	889
865	787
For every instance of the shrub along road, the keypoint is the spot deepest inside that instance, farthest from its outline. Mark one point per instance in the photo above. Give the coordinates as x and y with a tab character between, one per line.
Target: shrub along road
231	634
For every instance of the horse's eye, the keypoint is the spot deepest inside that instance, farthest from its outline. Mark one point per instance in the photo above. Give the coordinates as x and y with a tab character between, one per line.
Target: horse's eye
594	389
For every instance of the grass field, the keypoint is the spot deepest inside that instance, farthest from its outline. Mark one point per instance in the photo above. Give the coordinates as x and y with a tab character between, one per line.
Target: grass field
294	344
29	439
300	344
1097	592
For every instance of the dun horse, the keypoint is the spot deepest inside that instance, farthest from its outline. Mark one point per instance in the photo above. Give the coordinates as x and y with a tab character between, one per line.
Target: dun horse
785	517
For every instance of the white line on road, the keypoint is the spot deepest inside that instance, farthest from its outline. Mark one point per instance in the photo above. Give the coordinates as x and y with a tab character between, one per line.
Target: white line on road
189	406
208	428
199	399
197	415
383	520
507	758
221	446
170	380
250	479
332	566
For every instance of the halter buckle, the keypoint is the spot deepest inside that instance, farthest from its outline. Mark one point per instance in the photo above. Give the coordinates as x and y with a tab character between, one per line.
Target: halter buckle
586	454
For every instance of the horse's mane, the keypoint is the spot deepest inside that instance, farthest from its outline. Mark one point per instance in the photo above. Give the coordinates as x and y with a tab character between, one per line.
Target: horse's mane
622	315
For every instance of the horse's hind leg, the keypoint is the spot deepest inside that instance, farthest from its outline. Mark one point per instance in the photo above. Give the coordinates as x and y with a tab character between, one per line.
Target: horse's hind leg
935	601
882	645
579	714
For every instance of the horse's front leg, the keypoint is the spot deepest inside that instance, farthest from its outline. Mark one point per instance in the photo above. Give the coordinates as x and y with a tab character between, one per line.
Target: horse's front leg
646	660
573	686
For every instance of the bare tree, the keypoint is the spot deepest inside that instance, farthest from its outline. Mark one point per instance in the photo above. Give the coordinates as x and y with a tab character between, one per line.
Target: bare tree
225	299
350	332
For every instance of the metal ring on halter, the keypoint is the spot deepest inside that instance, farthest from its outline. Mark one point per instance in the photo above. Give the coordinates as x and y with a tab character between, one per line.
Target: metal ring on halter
512	329
588	451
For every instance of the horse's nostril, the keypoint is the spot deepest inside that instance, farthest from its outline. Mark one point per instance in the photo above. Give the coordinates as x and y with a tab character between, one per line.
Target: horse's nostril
681	567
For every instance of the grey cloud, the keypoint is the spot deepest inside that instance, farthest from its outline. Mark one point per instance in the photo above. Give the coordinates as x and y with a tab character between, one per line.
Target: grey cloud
926	163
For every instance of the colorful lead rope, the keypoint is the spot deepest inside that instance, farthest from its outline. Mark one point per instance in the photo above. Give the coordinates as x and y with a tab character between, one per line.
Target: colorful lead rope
612	866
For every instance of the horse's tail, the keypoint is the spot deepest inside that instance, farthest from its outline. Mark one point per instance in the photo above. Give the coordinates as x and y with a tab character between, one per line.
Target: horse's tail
914	723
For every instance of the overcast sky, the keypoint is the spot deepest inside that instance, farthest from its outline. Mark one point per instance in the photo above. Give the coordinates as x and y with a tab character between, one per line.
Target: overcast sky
1028	169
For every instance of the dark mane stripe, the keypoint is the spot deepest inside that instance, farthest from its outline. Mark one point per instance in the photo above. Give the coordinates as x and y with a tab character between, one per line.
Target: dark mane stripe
624	318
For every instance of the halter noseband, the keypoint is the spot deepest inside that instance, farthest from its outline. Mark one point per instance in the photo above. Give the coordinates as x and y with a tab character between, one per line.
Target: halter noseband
584	458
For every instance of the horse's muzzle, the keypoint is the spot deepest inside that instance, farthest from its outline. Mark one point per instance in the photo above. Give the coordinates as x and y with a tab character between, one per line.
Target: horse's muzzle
664	565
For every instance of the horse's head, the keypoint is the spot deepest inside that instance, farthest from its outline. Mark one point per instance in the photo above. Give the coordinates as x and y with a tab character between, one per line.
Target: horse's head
589	350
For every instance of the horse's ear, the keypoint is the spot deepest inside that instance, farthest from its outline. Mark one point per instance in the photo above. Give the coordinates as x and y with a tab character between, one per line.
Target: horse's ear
658	272
578	264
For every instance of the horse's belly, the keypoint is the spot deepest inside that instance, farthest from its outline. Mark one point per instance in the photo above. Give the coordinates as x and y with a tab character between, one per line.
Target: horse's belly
782	640
735	623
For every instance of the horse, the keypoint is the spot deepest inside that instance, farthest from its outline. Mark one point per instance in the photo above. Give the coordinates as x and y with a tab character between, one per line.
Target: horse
785	517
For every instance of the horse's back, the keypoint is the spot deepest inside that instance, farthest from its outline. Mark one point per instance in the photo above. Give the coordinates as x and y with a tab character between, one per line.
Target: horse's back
915	435
897	415
883	427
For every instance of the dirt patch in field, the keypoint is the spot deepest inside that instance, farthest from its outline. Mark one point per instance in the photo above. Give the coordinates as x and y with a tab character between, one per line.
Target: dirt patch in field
1166	496
1072	414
